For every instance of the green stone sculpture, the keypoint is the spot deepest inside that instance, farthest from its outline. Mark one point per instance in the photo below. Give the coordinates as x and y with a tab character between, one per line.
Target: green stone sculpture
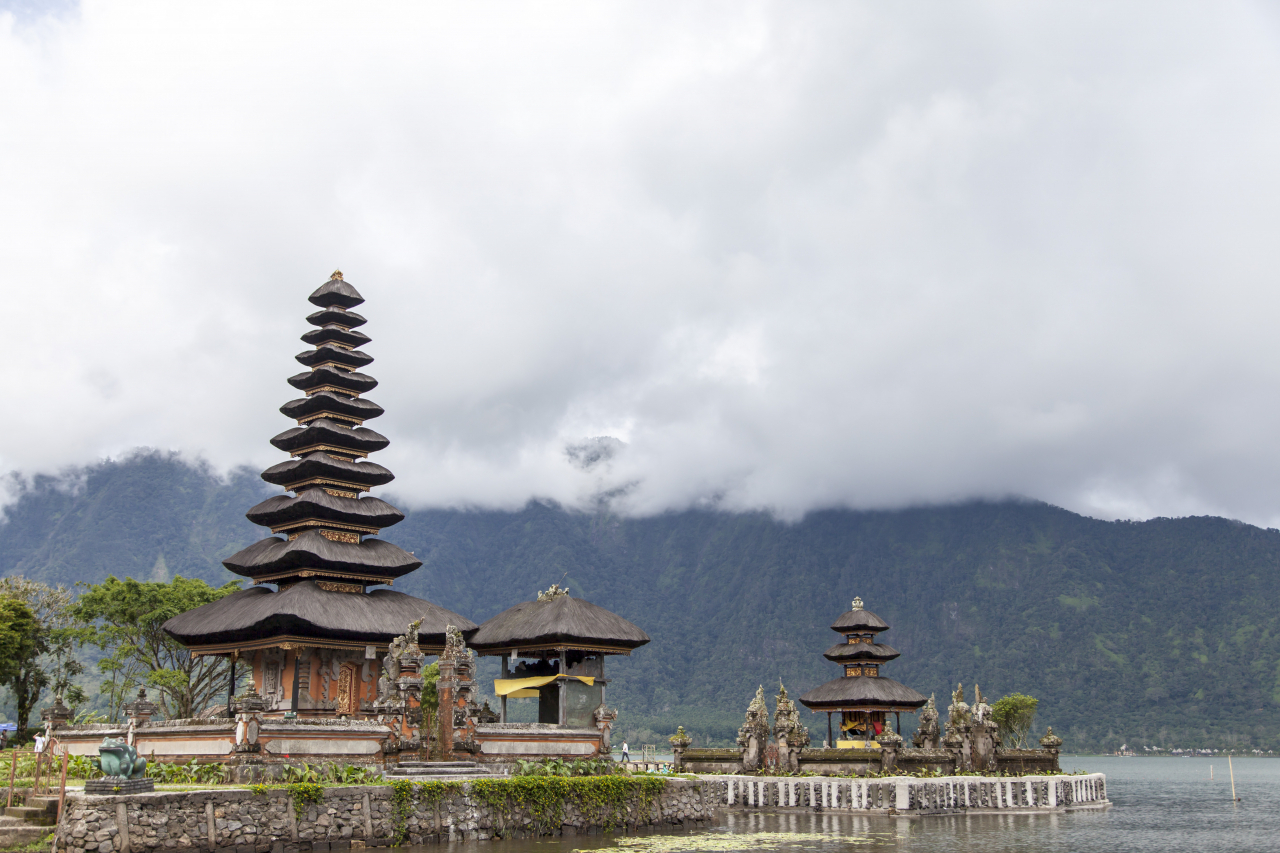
117	758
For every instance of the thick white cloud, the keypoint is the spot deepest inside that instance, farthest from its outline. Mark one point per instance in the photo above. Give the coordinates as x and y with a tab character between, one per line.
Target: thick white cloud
792	255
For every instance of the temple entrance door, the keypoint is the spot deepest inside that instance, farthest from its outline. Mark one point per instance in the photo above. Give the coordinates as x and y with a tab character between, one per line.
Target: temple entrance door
348	702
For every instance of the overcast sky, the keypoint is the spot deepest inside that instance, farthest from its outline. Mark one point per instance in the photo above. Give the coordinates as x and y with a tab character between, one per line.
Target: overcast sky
788	255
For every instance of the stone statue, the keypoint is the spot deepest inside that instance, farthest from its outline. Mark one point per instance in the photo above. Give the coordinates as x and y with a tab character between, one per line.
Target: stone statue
604	717
119	759
927	734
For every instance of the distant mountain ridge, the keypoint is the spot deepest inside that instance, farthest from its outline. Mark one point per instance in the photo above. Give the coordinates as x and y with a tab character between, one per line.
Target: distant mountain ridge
1160	632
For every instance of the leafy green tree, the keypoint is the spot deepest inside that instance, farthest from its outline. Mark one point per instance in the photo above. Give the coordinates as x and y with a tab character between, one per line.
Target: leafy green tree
53	642
59	634
123	618
1014	714
19	649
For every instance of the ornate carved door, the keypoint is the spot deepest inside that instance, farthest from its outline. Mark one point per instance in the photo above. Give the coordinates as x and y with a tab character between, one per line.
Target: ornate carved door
348	704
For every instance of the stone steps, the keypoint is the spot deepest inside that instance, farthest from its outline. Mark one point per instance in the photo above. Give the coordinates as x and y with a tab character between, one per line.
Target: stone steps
439	771
34	815
15	832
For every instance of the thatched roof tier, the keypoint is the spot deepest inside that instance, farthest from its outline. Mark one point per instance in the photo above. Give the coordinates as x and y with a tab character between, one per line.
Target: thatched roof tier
337	316
307	614
329	435
321	468
858	620
558	622
842	652
273	559
332	334
351	359
334	379
335	291
328	404
283	512
863	693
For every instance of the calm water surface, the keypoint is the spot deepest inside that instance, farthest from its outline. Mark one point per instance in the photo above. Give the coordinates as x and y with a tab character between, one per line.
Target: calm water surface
1159	804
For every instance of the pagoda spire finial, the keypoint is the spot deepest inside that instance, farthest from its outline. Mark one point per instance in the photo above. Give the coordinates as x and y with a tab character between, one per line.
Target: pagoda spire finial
857	603
337	275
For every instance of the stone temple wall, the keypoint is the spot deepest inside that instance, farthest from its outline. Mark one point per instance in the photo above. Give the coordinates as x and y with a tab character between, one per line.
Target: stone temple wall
346	818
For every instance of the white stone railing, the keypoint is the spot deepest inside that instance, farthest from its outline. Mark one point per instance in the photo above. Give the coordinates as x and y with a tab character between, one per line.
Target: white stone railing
908	794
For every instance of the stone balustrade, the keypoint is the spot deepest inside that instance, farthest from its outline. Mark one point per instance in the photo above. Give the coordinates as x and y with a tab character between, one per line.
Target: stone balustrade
905	794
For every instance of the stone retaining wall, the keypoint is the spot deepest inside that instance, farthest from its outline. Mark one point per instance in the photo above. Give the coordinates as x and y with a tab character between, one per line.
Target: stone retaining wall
347	818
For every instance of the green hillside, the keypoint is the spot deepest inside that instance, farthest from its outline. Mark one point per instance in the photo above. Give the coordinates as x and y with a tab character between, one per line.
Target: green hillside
1164	632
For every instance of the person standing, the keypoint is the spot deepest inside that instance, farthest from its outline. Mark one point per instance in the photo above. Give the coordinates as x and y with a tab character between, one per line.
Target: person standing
40	741
625	755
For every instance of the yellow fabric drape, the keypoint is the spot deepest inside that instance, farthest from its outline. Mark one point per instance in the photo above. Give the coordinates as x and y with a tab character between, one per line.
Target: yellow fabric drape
509	686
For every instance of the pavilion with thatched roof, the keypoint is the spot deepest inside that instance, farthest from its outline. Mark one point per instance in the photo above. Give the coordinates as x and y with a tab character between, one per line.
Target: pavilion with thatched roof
553	648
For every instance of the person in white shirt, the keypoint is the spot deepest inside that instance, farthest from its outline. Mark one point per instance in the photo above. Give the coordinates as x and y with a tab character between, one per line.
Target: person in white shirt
625	755
40	742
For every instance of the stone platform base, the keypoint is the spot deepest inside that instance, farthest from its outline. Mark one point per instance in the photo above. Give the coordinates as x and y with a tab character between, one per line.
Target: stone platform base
115	785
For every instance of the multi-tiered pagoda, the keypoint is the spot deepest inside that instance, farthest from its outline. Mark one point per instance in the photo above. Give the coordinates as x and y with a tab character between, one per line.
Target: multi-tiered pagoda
316	641
862	696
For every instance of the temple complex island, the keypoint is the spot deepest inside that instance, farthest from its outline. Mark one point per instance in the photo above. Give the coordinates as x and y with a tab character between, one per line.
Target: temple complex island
869	706
331	657
862	697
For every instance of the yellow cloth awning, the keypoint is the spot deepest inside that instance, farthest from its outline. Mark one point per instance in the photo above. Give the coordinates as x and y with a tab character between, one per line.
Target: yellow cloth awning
509	686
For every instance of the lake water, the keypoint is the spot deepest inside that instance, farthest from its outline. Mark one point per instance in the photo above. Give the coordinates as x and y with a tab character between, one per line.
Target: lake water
1168	805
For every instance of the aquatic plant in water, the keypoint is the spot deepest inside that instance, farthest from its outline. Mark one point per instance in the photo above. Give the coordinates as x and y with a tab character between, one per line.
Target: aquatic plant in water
724	841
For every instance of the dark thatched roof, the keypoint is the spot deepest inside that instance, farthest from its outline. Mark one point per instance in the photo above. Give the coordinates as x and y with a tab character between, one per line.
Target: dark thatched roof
356	383
862	691
327	402
331	433
559	621
320	505
351	358
859	620
305	610
372	558
323	465
335	291
859	651
335	335
337	316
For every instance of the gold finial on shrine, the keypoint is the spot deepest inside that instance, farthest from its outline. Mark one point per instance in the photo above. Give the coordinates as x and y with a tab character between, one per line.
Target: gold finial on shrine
857	602
337	276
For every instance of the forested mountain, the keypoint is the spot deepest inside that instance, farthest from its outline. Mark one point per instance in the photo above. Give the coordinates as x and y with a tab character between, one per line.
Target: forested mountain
1160	632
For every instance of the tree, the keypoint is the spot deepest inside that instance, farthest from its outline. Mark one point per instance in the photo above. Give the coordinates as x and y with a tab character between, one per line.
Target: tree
1014	714
53	638
123	618
19	649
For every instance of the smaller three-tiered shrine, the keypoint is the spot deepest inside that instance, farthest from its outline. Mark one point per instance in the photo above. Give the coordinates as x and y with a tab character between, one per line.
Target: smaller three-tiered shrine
862	697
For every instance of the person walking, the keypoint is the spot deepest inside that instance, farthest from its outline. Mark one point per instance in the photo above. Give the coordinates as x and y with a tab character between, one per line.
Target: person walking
625	754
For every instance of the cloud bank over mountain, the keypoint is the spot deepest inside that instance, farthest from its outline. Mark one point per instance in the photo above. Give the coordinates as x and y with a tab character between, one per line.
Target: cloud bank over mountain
769	255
